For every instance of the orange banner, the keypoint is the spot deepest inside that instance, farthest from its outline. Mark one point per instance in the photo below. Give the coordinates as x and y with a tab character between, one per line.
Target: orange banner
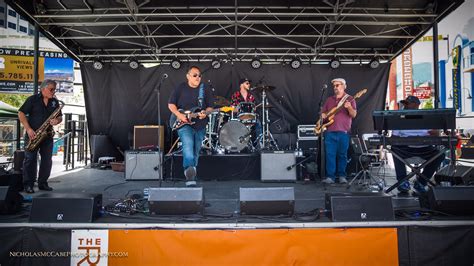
355	246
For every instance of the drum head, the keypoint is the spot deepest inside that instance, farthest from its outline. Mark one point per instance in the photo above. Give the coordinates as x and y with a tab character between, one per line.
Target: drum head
234	136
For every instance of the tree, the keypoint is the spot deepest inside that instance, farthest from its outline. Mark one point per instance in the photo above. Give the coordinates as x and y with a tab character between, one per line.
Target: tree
15	100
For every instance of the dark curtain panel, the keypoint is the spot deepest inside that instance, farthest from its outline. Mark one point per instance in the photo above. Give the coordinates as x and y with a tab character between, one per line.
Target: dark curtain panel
117	97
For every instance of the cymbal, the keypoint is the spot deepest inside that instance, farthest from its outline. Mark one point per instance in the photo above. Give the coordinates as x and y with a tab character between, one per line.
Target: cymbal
219	100
263	88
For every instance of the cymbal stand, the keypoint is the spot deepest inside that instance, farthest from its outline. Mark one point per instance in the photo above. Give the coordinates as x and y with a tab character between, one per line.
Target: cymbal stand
268	142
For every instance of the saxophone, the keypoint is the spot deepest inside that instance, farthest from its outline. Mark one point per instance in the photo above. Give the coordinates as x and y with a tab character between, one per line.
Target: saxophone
45	130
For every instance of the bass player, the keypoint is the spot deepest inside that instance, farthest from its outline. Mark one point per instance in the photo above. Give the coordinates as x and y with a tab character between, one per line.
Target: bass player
187	96
336	137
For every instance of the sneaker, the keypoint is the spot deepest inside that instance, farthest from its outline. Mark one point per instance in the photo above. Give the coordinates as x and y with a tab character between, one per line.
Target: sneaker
342	180
328	180
404	187
420	188
190	173
191	183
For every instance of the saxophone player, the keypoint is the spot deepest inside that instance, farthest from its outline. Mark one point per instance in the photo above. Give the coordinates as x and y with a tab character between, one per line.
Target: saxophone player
35	112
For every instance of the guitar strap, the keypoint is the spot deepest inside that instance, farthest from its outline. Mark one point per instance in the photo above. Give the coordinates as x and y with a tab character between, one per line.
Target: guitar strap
201	96
343	100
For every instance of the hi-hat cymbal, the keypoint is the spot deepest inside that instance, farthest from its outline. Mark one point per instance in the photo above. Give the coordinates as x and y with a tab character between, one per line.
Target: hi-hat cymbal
263	88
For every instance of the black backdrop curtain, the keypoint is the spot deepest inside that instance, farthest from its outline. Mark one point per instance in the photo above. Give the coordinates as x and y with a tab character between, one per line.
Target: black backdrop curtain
117	97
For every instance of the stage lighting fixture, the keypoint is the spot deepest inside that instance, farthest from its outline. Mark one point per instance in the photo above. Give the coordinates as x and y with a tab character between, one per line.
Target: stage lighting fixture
295	63
256	64
41	9
98	65
134	64
335	63
176	64
216	63
374	63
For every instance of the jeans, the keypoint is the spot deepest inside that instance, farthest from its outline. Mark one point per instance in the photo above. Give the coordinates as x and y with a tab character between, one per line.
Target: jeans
336	144
423	152
31	161
192	141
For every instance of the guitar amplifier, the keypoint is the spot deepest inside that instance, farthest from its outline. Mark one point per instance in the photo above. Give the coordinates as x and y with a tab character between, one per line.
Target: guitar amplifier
306	132
142	165
145	137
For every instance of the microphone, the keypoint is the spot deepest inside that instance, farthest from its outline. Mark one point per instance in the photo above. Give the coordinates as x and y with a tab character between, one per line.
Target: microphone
325	86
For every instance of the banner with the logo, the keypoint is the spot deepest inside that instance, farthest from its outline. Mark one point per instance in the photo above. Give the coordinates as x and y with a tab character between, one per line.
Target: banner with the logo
89	247
407	73
456	53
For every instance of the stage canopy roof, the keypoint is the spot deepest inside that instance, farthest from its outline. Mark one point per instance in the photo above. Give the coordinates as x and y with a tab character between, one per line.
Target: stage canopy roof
272	30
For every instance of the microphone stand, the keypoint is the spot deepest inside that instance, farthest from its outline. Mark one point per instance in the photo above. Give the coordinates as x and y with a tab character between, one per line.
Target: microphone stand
322	152
159	166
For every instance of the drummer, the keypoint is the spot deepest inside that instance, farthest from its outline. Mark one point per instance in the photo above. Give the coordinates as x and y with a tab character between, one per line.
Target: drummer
244	95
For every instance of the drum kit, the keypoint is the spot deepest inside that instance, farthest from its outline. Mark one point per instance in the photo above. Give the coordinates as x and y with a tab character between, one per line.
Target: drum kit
236	131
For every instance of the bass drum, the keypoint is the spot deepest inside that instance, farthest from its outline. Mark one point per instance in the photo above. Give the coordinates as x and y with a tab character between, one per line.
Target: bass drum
234	136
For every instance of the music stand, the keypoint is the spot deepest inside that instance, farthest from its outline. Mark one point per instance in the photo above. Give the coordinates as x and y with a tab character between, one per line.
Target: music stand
411	120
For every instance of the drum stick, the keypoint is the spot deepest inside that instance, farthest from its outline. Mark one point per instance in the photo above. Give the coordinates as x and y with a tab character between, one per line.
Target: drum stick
172	147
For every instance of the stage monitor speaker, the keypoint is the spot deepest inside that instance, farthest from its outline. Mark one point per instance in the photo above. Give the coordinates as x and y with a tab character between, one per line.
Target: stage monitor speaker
146	137
267	201
10	200
353	207
274	166
176	201
65	208
453	200
142	165
456	174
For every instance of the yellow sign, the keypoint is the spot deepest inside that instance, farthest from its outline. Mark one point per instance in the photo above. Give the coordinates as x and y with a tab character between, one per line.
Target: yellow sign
430	38
19	68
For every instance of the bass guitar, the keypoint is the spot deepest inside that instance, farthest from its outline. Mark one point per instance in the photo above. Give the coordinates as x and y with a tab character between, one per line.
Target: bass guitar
193	114
322	125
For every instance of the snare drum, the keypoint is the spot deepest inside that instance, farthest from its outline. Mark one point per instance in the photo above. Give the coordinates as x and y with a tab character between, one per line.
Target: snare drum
247	113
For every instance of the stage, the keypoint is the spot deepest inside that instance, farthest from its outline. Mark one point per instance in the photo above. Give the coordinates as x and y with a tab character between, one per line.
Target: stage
398	242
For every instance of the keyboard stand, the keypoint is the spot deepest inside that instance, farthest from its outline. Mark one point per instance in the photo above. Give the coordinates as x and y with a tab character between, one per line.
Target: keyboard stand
415	170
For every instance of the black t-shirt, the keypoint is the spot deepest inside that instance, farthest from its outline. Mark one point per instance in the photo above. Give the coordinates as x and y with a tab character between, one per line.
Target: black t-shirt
36	111
186	98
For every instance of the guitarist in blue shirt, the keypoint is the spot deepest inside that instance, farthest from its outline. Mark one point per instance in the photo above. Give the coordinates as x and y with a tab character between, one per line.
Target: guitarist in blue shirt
196	100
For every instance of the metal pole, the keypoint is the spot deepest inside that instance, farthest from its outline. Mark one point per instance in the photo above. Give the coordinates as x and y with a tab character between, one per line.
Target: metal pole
36	58
435	65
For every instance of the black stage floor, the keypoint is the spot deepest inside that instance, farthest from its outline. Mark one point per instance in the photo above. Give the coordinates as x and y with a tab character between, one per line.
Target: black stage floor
221	197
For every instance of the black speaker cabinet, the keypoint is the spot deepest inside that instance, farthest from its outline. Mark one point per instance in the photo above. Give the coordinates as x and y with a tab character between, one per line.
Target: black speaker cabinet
10	200
18	157
142	165
352	207
102	146
267	201
456	175
146	137
176	201
65	208
453	200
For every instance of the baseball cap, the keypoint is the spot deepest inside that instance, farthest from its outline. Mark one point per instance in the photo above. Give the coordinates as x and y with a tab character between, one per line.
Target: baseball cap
244	80
411	99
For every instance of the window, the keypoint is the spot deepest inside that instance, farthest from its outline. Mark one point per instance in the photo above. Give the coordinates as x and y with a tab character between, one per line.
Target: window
12	13
2	9
12	25
23	29
22	17
2	22
32	31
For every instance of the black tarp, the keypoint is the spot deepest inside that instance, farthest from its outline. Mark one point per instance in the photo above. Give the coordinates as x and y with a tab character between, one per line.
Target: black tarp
117	97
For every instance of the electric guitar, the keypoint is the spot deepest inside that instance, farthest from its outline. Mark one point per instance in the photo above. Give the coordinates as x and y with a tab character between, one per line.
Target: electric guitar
322	125
192	115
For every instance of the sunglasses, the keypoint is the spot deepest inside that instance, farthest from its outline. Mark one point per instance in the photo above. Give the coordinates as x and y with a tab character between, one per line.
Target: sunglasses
196	75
